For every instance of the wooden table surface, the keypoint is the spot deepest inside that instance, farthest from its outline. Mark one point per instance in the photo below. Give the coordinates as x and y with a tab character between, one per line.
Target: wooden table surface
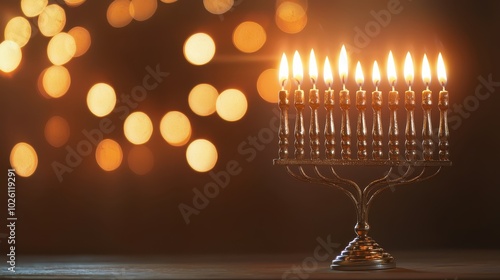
452	265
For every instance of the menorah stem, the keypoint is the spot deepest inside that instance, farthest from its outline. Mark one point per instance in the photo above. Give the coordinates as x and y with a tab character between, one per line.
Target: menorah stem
393	126
362	227
377	131
443	133
410	133
345	128
299	124
427	142
314	124
329	125
283	129
361	127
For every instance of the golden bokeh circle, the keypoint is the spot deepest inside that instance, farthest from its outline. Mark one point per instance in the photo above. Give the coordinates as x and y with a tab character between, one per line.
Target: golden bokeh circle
268	85
10	56
61	48
249	37
218	7
138	128
57	131
32	8
24	159
118	13
52	20
18	30
109	155
82	40
202	99
175	128
201	155
291	17
142	10
74	3
101	99
56	81
231	105
199	49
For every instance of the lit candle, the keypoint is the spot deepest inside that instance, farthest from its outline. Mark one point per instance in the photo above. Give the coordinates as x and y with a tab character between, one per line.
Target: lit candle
361	106
345	102
410	133
313	104
283	105
329	103
299	106
427	141
393	106
377	131
443	111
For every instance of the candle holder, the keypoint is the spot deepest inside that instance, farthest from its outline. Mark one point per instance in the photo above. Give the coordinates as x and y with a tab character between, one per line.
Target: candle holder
363	253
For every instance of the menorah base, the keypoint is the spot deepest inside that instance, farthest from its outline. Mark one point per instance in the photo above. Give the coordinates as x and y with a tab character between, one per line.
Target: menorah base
363	253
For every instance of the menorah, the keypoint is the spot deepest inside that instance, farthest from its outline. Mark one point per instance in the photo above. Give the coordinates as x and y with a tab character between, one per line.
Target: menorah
363	253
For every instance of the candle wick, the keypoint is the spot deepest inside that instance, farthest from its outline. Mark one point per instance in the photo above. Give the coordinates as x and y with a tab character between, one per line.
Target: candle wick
283	84
343	86
409	87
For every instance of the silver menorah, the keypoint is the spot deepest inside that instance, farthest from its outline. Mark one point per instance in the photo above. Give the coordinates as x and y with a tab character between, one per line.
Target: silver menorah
363	253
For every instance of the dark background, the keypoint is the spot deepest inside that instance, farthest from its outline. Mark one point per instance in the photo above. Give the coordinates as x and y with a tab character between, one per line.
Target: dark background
262	210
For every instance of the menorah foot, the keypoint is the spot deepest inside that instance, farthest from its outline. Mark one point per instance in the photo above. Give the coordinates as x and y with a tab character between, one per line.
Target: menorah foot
363	253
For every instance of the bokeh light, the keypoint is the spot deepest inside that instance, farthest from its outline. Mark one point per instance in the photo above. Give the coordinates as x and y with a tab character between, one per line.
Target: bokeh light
142	10
74	3
231	105
23	159
168	1
56	81
268	85
291	16
109	155
52	20
57	131
61	48
202	99
82	40
218	7
201	155
32	8
199	49
138	128
175	128
140	160
10	56
101	99
18	30
118	13
249	37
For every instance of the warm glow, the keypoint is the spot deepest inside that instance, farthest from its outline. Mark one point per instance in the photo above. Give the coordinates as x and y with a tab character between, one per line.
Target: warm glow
313	68
201	155
175	128
327	73
376	75
267	86
408	71
23	159
359	77
101	99
140	160
109	155
426	71
283	71
82	40
32	8
138	128
391	70
56	81
52	20
298	71
57	131
18	30
249	37
142	10
343	65
291	17
10	56
168	1
61	48
441	71
74	3
118	13
202	99
231	105
199	49
218	7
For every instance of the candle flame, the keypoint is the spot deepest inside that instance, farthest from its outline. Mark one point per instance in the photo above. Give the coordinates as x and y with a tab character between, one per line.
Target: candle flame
283	71
360	79
391	70
327	73
376	75
409	71
343	65
441	71
426	71
313	68
298	72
